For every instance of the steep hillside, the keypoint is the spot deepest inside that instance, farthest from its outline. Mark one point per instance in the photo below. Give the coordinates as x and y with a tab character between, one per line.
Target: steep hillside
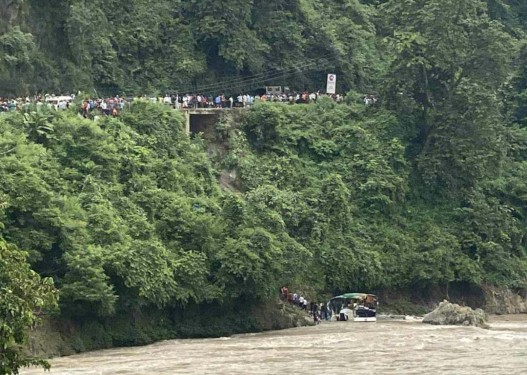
420	191
142	46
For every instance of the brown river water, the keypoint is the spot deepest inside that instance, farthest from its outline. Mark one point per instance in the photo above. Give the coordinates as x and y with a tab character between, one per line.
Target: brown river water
334	348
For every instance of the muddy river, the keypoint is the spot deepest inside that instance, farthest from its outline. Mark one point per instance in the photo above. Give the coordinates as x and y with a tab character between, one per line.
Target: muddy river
385	347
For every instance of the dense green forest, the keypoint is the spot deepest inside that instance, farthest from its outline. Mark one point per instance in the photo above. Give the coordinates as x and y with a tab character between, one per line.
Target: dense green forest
422	190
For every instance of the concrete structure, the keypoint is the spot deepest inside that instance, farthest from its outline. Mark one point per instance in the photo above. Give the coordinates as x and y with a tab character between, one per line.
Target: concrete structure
199	119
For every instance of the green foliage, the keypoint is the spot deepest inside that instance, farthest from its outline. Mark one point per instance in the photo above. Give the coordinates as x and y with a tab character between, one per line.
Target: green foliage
24	295
342	184
122	211
449	60
262	126
17	55
126	213
144	46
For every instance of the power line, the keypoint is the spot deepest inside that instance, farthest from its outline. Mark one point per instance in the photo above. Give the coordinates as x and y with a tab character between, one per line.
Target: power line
319	63
249	82
264	76
258	81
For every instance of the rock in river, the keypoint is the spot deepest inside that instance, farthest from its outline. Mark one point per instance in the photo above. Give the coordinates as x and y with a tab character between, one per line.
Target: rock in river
452	314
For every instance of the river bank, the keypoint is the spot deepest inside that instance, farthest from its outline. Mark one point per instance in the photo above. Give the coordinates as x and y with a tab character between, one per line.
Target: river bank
492	299
64	337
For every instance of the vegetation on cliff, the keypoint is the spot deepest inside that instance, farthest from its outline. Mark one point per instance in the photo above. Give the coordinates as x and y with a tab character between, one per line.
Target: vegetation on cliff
423	189
23	296
141	45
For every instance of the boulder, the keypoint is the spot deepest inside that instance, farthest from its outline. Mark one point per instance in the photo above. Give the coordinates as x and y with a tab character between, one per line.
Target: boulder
452	314
500	300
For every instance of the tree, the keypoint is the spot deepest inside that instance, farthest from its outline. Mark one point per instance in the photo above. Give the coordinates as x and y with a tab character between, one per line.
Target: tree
449	59
24	296
437	45
94	59
17	52
345	40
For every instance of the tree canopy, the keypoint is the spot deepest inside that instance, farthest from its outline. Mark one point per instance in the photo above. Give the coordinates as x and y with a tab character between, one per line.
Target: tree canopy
144	46
23	296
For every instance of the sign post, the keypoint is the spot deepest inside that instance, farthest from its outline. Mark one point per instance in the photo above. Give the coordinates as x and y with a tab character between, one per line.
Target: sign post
332	84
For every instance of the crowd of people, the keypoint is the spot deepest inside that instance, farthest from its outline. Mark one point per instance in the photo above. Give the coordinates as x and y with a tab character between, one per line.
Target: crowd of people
88	107
12	104
245	100
112	106
103	107
319	311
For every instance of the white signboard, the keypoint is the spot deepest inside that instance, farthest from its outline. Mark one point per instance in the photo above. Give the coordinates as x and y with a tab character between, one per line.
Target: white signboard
273	90
332	84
